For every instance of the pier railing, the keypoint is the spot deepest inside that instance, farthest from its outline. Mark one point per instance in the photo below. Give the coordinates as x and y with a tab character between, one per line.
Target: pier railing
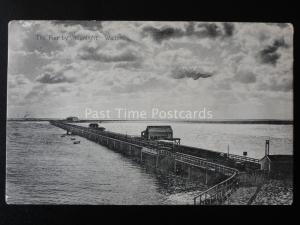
150	151
204	163
166	153
243	158
221	155
218	193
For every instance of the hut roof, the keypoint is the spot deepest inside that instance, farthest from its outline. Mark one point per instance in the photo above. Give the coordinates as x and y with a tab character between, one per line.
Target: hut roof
160	128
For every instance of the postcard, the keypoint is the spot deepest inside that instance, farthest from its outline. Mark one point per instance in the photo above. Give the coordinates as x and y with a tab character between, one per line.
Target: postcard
149	113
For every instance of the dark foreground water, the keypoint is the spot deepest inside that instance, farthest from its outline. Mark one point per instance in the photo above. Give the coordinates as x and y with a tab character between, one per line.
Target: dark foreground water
45	168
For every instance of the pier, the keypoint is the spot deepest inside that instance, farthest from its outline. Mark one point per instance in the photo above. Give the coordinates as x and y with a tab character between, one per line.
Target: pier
188	159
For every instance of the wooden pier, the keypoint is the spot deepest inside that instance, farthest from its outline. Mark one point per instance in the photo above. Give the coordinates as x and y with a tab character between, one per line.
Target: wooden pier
135	146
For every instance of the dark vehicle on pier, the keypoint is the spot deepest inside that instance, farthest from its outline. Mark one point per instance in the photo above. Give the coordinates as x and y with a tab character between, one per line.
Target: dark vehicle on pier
72	119
93	125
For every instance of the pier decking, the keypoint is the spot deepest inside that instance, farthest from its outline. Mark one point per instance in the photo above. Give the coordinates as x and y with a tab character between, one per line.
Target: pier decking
137	146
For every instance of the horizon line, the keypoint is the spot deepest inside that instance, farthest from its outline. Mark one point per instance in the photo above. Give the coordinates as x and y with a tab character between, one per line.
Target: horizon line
276	121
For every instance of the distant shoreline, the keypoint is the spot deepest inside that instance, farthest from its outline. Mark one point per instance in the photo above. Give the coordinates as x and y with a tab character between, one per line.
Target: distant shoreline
249	121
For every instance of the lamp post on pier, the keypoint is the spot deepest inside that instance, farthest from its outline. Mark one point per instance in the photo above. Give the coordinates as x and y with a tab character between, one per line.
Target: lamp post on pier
228	151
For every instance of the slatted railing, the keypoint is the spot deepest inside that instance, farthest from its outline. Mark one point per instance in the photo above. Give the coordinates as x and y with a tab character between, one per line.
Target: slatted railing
243	158
219	192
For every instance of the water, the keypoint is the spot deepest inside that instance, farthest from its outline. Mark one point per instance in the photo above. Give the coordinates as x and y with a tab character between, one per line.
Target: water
45	168
240	137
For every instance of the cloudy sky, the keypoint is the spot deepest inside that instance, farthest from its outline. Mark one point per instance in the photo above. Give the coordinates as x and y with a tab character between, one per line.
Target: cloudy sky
236	70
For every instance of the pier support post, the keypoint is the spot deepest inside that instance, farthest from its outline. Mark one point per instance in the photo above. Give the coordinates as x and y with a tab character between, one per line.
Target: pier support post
189	172
175	166
206	176
129	150
141	156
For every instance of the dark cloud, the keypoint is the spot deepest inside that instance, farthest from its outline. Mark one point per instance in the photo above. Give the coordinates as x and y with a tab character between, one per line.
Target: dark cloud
270	54
246	77
228	29
200	30
190	29
214	30
90	25
210	30
54	78
189	73
93	54
126	38
163	34
280	43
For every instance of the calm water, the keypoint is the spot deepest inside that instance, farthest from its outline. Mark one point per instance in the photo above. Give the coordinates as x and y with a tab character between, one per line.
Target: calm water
45	168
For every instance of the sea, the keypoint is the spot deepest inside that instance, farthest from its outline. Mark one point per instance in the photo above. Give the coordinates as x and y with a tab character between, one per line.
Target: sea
42	167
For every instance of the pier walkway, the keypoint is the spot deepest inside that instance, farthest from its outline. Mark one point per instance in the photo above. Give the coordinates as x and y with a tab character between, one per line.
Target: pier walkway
217	194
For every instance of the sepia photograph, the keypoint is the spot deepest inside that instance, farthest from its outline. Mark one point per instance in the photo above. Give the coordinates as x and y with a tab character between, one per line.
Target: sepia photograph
149	113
